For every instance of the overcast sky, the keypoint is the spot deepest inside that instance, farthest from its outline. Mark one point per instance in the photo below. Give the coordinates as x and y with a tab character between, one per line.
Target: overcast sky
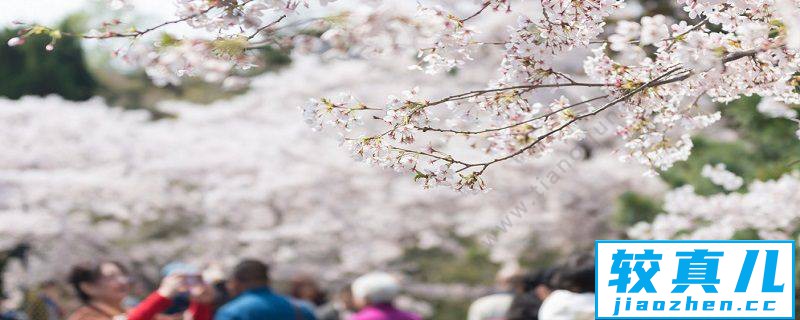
52	11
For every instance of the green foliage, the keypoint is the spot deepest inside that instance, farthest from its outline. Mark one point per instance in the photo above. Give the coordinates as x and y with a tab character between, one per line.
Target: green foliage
275	58
450	309
746	234
29	69
765	149
632	208
537	258
774	140
439	266
737	156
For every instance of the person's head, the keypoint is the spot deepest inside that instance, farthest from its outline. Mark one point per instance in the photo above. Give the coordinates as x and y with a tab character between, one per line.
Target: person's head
508	277
105	282
49	288
530	290
305	288
576	274
345	296
375	288
543	284
248	274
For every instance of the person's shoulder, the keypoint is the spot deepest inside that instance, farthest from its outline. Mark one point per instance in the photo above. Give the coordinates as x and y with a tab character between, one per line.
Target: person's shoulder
85	313
308	313
553	304
226	311
565	296
367	314
564	304
559	295
327	311
305	308
411	316
302	304
235	306
490	305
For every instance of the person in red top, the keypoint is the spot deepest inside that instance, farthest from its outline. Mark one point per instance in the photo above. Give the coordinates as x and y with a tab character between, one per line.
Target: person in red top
102	287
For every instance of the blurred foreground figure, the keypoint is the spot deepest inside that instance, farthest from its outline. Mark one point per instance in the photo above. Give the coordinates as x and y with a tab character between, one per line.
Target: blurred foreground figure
6	312
254	300
42	303
495	306
305	288
374	294
575	298
341	307
102	287
533	289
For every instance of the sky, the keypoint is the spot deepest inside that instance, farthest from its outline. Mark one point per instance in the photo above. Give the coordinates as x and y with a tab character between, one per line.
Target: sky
52	11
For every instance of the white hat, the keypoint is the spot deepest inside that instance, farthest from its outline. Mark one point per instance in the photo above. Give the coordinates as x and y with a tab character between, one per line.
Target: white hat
376	287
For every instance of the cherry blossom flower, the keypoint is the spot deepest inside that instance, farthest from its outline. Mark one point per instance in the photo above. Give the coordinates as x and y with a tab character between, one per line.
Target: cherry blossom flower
773	108
722	177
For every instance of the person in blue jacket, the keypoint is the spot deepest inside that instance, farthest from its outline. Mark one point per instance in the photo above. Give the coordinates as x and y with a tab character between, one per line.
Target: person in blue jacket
254	300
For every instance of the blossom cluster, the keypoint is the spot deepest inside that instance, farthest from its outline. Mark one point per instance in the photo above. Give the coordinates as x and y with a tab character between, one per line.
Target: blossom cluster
770	208
654	73
213	61
452	47
720	176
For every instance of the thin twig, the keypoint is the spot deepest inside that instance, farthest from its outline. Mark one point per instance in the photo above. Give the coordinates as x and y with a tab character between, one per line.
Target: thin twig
475	93
266	27
424	129
485	5
573	120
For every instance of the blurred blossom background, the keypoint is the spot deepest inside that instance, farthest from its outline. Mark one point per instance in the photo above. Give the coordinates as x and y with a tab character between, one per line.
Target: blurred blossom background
99	160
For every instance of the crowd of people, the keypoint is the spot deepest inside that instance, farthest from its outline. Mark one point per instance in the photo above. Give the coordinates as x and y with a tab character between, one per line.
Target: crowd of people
104	291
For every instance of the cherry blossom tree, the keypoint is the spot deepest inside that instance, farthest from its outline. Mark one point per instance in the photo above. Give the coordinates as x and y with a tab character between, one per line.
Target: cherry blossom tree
650	70
245	177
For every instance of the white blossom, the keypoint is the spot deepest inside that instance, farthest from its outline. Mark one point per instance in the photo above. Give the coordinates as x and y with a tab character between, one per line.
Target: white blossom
722	177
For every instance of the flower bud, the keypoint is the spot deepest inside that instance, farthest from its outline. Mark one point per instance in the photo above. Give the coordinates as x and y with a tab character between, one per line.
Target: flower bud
16	41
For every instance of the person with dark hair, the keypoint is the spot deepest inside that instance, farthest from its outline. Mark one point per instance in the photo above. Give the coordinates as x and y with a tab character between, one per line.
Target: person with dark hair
101	287
528	297
574	299
304	287
254	299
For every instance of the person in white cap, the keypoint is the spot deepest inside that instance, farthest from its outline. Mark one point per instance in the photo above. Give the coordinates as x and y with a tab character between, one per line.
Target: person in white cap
374	294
